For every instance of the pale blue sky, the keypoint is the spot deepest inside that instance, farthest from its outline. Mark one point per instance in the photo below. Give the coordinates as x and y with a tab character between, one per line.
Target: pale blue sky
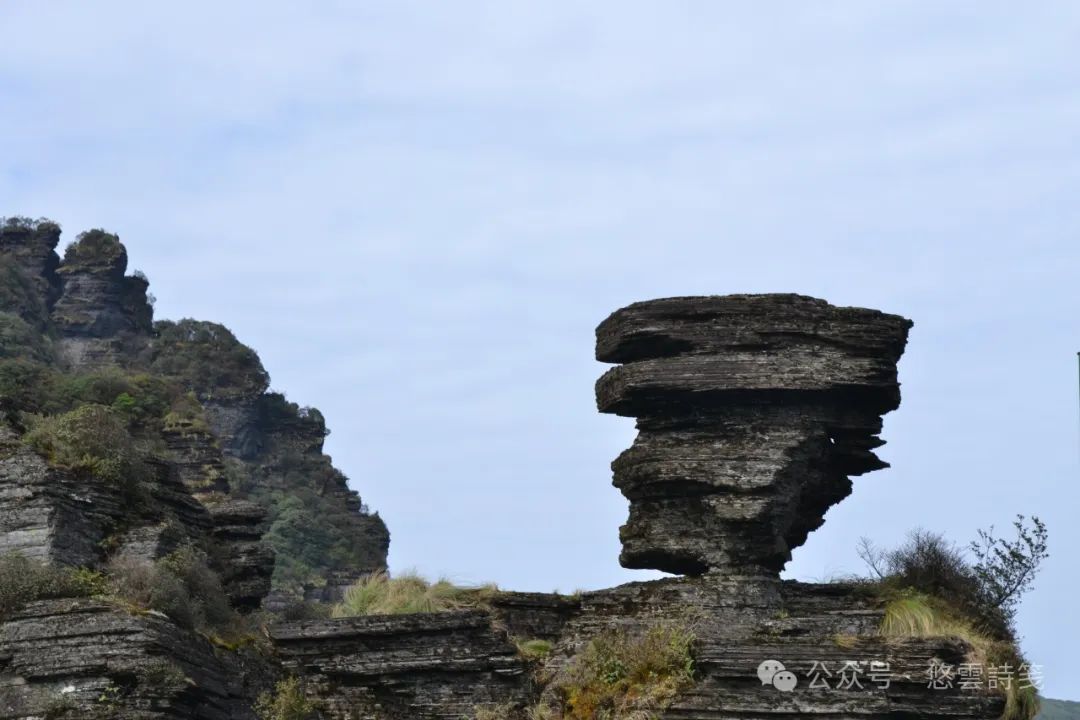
418	212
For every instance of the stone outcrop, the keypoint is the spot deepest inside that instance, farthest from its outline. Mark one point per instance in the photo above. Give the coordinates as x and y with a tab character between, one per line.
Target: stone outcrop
86	314
102	315
29	275
88	659
246	562
431	665
752	411
50	514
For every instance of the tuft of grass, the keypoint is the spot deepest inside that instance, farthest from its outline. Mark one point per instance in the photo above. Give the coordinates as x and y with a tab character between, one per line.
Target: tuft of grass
534	649
913	614
380	594
624	674
23	580
847	642
286	702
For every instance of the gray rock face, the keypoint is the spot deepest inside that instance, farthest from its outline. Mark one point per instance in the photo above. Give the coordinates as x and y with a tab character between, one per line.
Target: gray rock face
29	262
103	316
90	659
247	564
752	412
436	665
49	514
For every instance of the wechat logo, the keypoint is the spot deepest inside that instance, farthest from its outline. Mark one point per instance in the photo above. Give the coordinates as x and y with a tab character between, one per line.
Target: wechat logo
772	672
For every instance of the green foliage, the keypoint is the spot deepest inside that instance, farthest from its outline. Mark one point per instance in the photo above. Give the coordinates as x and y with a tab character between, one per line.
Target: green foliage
95	248
207	357
627	674
186	414
1006	569
34	387
23	580
91	439
20	222
18	339
287	702
379	594
310	529
181	585
987	591
534	650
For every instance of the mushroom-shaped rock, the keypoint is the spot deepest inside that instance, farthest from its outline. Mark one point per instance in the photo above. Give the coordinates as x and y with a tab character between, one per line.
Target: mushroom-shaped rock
753	411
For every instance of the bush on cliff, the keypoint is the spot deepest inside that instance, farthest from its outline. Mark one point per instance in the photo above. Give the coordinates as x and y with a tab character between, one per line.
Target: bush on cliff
932	589
286	702
625	673
23	580
987	588
181	585
910	613
18	339
380	594
94	248
88	439
208	358
91	439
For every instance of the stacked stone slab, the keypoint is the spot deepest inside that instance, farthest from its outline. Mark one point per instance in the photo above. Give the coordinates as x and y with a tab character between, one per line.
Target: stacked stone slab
752	412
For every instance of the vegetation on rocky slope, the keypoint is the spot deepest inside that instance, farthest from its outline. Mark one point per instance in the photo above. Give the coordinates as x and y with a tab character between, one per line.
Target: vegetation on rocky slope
932	588
108	416
380	594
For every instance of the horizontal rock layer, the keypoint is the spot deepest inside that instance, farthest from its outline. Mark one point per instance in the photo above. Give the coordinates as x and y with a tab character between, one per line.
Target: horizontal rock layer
753	411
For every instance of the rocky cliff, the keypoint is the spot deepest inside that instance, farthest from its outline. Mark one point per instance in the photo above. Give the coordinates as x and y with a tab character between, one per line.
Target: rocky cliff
143	462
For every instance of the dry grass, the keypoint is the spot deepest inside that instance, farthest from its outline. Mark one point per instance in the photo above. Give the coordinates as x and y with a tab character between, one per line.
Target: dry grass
911	614
625	675
380	594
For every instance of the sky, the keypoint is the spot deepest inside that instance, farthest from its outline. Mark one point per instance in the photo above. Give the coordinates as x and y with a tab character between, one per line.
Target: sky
418	213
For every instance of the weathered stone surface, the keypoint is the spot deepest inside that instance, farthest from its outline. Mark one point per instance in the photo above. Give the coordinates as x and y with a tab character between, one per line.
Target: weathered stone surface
90	659
753	411
103	316
246	562
51	514
436	665
28	266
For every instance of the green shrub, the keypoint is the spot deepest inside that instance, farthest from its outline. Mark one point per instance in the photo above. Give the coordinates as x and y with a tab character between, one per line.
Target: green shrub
379	594
207	358
180	585
286	702
186	413
534	649
18	339
987	591
25	386
627	674
91	438
23	580
94	248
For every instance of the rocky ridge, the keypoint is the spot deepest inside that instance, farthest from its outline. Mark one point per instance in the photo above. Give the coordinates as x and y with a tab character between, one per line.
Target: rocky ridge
753	412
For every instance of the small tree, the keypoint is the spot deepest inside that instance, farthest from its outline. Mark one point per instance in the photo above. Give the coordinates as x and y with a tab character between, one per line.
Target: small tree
1006	569
988	589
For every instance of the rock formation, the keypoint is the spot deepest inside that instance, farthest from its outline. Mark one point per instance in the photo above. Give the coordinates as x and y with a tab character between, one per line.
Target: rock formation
752	411
92	317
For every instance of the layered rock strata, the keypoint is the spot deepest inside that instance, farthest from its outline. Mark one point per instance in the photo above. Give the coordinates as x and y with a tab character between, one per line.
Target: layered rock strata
752	413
